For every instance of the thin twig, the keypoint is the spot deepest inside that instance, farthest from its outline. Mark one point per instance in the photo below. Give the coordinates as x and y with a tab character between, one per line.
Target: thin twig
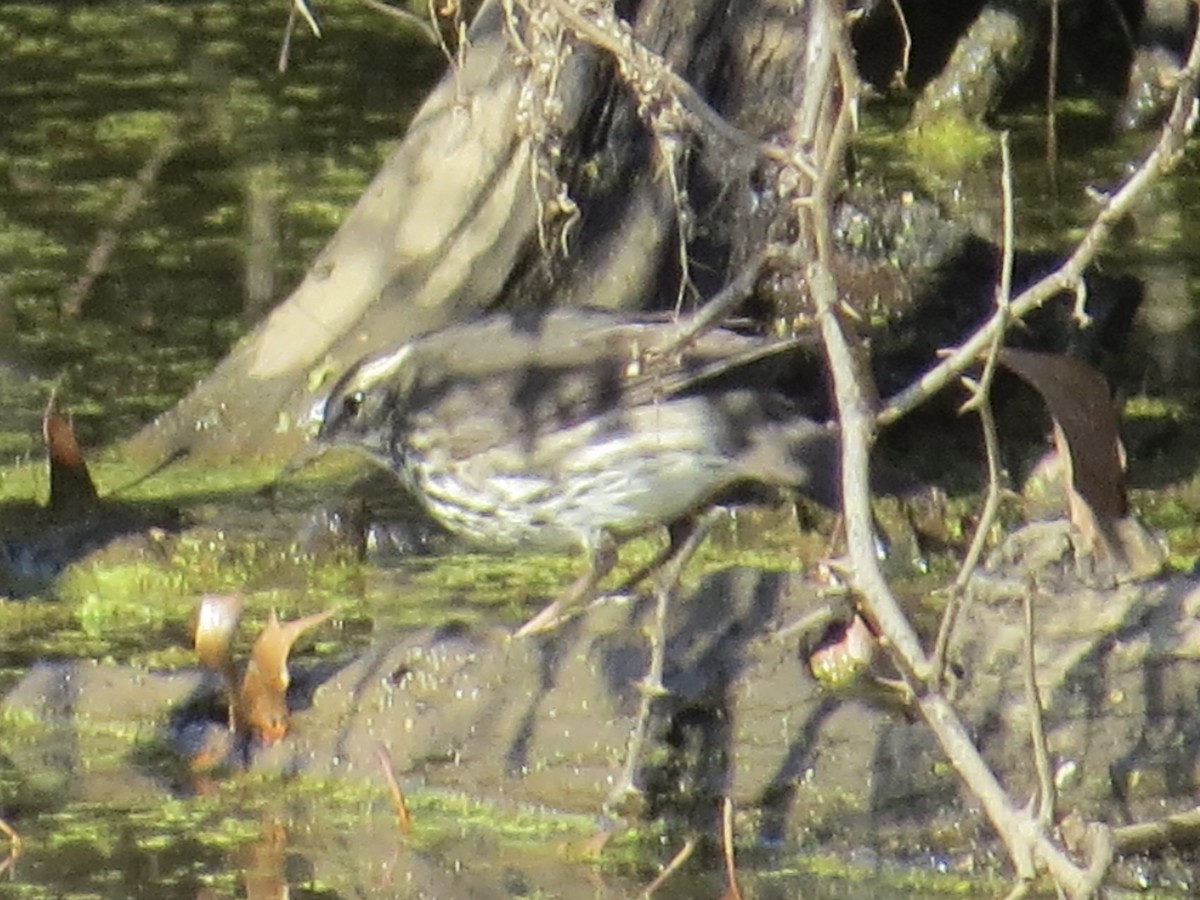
14	838
285	45
297	9
651	686
1101	851
717	308
1052	89
732	891
70	304
409	18
980	402
15	847
900	78
455	58
403	817
309	19
684	854
674	159
1047	796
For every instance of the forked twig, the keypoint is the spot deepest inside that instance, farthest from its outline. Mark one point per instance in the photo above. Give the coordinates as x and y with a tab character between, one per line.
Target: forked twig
1028	846
297	9
980	402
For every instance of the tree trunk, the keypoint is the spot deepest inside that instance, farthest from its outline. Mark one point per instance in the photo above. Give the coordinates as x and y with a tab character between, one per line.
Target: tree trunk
507	191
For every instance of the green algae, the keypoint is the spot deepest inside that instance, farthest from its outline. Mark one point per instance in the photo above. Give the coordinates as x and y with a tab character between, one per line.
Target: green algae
950	145
916	880
215	837
441	818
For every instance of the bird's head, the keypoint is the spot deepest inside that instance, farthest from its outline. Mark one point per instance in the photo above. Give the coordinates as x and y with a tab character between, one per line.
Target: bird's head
360	410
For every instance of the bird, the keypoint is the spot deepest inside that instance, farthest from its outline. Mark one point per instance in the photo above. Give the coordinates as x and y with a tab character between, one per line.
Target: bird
579	428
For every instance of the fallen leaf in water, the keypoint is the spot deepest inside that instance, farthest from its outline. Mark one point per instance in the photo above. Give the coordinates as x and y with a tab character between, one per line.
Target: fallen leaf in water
72	490
261	704
258	702
1088	441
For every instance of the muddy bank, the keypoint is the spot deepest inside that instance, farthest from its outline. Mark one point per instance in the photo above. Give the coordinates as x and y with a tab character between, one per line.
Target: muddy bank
546	720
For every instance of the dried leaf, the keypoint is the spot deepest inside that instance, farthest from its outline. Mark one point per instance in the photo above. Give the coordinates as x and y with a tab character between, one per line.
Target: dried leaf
213	625
261	705
1081	405
844	652
72	490
1088	441
403	817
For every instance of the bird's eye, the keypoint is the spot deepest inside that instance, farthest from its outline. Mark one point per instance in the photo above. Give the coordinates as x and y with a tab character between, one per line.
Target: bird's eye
352	405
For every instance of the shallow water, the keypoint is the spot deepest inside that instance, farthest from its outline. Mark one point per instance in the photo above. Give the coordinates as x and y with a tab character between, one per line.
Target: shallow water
88	93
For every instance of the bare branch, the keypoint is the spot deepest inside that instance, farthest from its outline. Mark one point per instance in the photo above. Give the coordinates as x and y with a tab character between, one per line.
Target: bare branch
649	71
1026	842
1047	796
1181	829
70	304
980	401
1068	276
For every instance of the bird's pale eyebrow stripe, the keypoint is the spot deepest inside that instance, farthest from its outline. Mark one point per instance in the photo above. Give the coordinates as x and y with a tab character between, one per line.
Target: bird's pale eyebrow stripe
383	366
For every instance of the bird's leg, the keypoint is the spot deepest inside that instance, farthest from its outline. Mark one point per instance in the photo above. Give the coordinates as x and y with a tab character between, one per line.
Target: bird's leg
677	532
603	559
686	538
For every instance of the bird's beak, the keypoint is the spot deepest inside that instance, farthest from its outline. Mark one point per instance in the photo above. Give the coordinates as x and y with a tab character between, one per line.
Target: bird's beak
301	459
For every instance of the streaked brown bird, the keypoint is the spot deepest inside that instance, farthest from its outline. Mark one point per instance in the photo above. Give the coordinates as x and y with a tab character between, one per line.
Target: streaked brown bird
578	428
